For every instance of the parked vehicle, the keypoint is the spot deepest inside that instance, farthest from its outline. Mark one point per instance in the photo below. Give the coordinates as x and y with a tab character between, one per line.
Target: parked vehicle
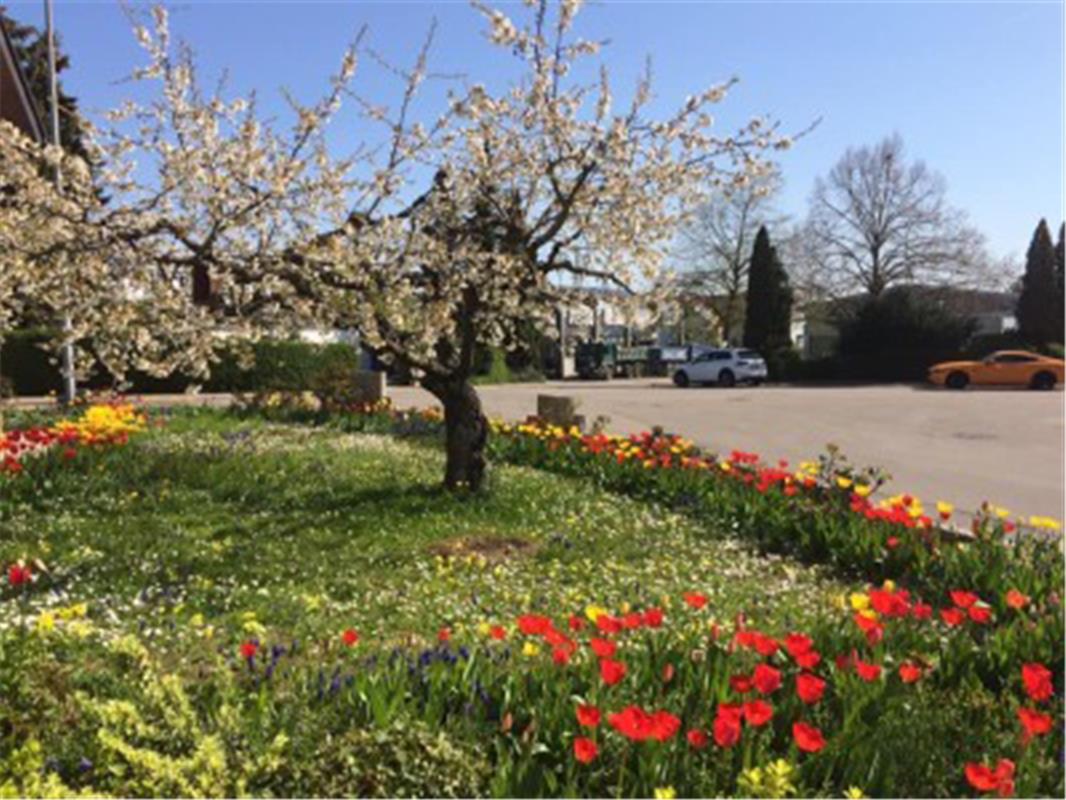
605	360
723	368
1003	368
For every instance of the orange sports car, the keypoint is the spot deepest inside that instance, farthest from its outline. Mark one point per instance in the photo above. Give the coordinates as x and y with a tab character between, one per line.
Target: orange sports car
1005	368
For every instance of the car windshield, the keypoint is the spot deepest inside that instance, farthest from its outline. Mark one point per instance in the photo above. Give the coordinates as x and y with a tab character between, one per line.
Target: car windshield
748	354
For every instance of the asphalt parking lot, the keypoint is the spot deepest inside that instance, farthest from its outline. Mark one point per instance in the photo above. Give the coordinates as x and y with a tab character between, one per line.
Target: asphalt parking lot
965	447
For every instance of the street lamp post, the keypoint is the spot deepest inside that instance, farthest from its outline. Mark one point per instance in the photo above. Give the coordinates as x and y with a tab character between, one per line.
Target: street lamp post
69	386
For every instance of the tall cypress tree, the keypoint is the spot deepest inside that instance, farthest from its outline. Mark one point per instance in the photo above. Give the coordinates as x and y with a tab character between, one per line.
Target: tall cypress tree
1039	303
1060	280
780	332
769	302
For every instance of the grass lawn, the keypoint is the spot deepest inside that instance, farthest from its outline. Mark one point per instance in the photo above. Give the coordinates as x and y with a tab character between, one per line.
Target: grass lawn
229	606
313	531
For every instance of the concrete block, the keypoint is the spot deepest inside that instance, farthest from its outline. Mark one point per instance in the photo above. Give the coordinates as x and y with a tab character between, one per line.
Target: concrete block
557	409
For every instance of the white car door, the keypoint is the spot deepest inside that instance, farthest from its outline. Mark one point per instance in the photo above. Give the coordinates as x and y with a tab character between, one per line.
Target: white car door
706	368
696	368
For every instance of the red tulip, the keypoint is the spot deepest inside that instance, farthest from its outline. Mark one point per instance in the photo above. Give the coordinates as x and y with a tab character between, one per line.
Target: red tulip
810	688
588	716
808	738
1037	681
585	750
612	671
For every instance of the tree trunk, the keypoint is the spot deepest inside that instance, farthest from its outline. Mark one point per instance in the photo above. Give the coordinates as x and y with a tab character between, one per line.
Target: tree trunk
466	431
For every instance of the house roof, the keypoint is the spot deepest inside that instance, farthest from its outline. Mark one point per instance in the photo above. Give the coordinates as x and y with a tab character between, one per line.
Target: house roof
16	104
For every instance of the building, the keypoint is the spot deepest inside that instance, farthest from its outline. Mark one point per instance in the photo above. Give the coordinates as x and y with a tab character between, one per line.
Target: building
16	102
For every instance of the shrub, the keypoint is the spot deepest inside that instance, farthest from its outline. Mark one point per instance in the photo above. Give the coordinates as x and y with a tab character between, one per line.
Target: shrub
408	758
495	368
898	336
25	366
281	366
278	366
783	364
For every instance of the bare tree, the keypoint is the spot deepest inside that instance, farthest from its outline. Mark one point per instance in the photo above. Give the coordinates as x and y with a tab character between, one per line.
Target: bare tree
876	221
713	253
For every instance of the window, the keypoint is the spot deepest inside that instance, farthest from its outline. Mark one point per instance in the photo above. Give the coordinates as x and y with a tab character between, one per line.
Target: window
1013	358
748	354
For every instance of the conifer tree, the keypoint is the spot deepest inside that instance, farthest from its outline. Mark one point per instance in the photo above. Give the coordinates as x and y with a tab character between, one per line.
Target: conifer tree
769	300
1039	318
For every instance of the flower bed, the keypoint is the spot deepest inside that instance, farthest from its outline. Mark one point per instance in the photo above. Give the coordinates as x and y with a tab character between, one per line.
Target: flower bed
100	425
936	669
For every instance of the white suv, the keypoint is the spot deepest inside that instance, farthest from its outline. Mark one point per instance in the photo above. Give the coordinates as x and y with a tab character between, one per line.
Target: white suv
723	368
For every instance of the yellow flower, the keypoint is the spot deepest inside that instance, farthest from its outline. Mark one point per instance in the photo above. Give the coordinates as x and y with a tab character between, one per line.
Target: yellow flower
862	490
79	629
665	793
854	793
859	601
530	650
1047	523
484	628
46	622
869	613
843	483
254	627
73	612
594	612
196	620
889	586
944	509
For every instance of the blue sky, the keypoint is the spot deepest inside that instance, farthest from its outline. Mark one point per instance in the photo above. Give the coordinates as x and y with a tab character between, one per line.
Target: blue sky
974	88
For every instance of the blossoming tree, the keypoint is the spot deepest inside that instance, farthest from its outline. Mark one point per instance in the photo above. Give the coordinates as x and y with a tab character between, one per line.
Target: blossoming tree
440	233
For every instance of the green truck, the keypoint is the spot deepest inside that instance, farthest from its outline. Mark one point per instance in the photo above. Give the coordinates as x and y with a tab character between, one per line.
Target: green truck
606	360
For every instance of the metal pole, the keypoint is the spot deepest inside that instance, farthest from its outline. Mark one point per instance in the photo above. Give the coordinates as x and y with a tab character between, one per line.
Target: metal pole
69	387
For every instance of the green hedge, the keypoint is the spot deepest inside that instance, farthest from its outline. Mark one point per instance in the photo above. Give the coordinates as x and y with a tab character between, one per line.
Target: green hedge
278	365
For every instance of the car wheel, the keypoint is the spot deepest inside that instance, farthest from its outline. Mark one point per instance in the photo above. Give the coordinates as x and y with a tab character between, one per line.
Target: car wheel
681	379
1042	381
957	380
727	378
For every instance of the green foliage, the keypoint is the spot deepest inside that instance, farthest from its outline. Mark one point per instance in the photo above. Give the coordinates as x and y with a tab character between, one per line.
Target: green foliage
1040	302
783	364
1060	284
31	51
282	366
495	368
213	531
898	336
26	366
769	299
406	758
275	366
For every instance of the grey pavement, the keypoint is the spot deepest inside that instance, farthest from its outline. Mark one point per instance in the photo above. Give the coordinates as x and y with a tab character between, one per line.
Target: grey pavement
1002	445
